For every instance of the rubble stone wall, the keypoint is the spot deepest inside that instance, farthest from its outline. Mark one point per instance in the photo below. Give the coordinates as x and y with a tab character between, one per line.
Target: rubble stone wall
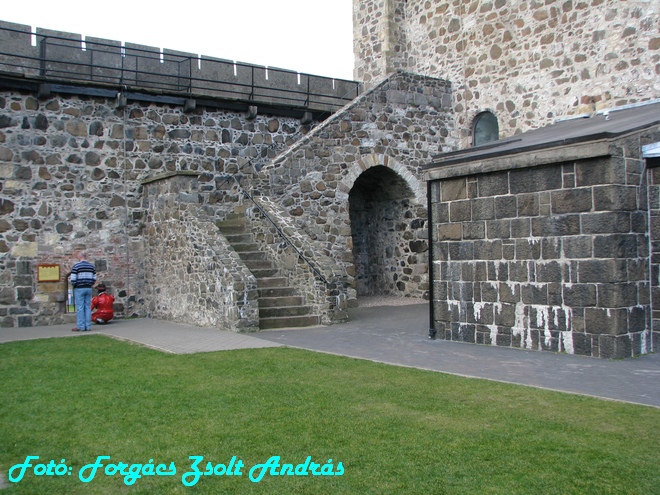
399	125
192	274
529	62
71	172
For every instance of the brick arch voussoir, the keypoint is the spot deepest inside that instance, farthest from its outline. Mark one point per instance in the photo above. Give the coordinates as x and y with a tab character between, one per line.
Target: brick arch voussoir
368	161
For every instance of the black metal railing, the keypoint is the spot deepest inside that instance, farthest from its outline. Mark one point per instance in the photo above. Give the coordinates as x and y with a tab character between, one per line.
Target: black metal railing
281	233
64	57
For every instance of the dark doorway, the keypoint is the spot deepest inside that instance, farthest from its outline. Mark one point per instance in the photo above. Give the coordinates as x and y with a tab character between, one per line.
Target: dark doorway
385	228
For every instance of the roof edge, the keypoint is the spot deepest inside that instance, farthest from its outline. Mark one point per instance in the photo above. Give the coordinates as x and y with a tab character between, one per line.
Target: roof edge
533	158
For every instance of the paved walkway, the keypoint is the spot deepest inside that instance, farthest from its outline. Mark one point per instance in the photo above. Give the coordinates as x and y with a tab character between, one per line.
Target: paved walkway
398	335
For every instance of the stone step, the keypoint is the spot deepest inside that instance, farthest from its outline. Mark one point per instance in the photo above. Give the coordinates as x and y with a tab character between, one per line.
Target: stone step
284	311
280	302
235	215
271	282
245	247
227	231
277	292
289	322
253	256
258	264
239	238
265	272
232	220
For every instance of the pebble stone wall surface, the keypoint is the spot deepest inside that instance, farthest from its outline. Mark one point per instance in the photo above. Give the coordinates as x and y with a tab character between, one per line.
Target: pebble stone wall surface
70	178
529	62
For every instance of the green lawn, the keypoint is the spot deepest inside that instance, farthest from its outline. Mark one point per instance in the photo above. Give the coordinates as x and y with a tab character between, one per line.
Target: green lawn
395	430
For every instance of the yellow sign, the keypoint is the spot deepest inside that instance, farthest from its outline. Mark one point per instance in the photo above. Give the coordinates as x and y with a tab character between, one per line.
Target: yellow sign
49	273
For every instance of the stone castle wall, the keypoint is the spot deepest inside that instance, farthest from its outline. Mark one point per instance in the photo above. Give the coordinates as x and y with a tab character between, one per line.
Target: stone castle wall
528	62
397	126
191	273
72	170
70	177
553	257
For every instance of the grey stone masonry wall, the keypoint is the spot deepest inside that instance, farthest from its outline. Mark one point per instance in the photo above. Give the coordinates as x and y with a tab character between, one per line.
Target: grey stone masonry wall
192	275
390	131
71	172
552	257
529	62
327	295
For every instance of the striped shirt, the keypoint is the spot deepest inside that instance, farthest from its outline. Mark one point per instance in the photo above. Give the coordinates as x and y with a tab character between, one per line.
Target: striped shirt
83	274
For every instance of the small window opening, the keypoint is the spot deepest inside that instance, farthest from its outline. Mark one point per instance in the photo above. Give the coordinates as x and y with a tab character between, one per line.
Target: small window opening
486	129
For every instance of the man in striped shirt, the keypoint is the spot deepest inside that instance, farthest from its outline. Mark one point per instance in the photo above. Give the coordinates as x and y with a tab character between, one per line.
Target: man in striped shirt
83	276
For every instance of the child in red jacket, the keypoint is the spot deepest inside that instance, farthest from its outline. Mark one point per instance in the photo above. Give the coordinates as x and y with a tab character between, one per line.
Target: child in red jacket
103	303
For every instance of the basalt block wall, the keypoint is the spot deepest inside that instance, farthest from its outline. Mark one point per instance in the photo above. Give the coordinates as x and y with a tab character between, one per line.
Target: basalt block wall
553	257
529	62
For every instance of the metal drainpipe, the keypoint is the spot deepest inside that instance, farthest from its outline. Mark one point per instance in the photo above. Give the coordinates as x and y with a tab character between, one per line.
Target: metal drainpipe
429	204
126	215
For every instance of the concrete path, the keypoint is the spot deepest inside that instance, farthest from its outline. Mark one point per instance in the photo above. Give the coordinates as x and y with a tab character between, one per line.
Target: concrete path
398	335
175	338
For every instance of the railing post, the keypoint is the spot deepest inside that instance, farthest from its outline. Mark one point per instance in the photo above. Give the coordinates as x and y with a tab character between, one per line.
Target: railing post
42	55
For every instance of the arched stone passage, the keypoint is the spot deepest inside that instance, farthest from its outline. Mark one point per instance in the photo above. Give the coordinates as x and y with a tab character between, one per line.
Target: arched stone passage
388	234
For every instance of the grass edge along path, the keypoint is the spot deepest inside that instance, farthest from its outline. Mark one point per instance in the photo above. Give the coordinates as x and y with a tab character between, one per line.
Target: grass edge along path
394	429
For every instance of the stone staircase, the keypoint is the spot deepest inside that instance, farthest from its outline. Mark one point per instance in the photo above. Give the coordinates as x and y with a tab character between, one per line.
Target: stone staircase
280	306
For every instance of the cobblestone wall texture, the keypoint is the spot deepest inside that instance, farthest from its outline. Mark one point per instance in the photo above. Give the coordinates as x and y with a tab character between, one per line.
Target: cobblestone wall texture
397	126
529	62
70	178
192	275
549	258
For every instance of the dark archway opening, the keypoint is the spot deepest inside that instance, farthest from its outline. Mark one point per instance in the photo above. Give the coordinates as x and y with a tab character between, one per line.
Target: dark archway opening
387	234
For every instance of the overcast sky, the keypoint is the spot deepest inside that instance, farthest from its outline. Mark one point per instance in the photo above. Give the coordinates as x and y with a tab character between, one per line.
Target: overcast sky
312	36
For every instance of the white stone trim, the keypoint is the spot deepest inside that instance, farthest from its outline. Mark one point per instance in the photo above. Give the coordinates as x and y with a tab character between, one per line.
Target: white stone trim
417	187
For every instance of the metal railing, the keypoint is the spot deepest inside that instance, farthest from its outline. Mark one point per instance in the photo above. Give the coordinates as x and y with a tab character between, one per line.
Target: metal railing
64	57
286	239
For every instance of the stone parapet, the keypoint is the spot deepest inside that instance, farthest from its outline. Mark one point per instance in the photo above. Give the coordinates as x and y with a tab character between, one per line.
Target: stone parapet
59	57
321	280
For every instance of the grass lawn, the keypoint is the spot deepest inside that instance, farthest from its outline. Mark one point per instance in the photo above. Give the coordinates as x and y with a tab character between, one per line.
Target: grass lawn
395	430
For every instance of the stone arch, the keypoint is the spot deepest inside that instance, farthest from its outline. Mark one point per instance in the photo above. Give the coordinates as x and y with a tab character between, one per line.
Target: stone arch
387	213
373	160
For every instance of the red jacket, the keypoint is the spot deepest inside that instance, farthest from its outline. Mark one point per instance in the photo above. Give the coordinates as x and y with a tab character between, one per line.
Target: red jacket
103	302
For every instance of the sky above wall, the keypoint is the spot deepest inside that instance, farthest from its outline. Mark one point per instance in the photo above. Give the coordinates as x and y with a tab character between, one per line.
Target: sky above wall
310	36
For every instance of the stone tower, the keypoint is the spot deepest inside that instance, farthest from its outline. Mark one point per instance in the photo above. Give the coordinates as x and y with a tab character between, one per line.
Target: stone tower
527	62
